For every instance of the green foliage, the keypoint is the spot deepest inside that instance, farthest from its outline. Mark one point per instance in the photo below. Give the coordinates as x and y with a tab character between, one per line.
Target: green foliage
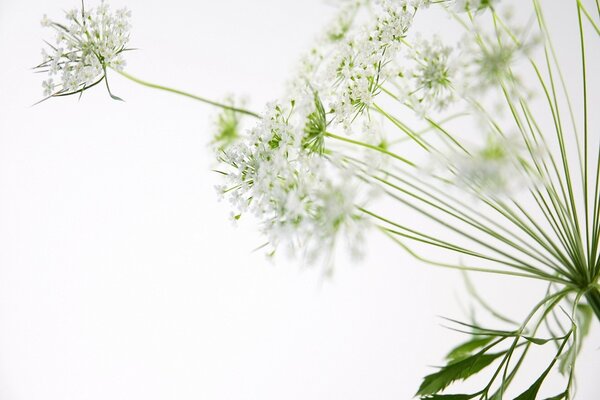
450	396
583	319
454	371
466	349
316	125
559	396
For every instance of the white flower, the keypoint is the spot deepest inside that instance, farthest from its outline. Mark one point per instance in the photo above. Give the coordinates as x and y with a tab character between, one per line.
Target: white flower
500	167
430	77
488	59
357	65
49	87
304	201
86	44
339	27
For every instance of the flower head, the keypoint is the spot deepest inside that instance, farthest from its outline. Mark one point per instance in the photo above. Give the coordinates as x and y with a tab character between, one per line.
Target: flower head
499	167
304	200
489	59
85	45
430	77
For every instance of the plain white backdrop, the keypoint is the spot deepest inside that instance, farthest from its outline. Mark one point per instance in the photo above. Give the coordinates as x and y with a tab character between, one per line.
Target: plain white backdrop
121	276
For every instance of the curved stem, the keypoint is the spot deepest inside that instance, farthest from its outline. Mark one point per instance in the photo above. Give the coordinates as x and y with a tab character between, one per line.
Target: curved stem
463	268
182	93
370	146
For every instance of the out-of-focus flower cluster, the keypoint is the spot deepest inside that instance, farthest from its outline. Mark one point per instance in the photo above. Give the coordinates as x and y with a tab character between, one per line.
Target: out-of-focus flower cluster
85	45
304	200
298	183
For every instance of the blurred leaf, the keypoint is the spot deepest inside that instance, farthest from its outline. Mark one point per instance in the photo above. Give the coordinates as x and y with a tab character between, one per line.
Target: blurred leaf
465	349
541	341
583	317
454	371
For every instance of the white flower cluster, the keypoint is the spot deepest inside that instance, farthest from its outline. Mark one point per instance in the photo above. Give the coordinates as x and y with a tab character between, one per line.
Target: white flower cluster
358	65
429	77
488	59
304	200
497	168
85	45
349	73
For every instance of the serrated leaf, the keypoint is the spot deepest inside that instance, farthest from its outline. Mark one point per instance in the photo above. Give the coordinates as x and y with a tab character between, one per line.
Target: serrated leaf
560	396
450	396
465	349
454	371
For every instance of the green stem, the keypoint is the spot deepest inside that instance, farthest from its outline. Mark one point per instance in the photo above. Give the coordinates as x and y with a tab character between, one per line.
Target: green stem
192	96
593	298
370	146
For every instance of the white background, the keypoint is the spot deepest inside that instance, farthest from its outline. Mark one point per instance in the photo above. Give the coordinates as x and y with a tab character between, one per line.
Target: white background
121	276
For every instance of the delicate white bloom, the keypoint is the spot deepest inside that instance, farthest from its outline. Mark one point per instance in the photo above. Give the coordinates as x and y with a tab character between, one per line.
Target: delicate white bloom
339	27
45	22
304	200
356	66
86	44
497	168
49	87
488	60
429	78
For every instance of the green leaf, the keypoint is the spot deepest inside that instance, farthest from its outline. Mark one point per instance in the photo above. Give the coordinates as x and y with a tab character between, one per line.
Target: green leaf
560	396
540	341
454	371
465	349
531	392
451	396
583	317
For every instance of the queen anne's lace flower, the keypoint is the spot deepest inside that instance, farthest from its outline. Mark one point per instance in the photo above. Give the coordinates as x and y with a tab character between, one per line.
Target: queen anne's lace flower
429	79
304	200
488	60
89	42
497	168
355	65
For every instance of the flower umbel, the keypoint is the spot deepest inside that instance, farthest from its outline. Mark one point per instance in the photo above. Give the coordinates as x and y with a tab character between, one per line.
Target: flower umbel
85	46
304	200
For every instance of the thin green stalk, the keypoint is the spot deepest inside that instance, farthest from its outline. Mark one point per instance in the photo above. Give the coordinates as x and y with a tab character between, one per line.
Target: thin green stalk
429	120
476	220
370	146
515	263
589	17
431	262
423	131
585	139
402	127
192	96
